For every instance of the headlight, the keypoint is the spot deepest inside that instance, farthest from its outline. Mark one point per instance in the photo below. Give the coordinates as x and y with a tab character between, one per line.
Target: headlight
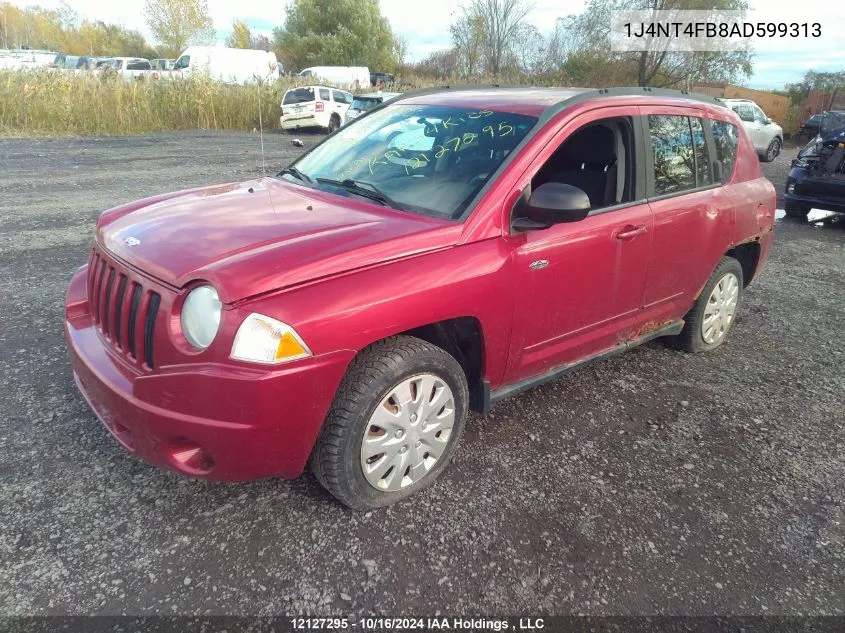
261	339
201	316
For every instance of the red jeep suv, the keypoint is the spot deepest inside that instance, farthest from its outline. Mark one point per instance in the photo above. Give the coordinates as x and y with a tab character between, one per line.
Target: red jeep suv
447	249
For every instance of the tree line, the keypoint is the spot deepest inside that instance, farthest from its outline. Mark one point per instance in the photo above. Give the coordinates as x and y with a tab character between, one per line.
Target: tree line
62	30
489	38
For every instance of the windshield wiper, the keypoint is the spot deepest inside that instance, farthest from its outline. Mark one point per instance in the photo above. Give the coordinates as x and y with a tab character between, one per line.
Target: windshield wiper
293	171
363	189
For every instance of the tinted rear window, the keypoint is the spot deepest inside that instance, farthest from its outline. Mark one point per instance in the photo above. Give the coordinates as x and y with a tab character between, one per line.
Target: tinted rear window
300	95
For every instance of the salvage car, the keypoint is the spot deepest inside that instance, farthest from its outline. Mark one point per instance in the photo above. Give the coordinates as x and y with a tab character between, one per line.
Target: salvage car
362	104
448	250
314	107
822	122
817	177
765	134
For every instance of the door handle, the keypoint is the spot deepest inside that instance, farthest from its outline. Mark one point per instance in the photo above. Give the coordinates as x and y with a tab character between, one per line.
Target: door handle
630	232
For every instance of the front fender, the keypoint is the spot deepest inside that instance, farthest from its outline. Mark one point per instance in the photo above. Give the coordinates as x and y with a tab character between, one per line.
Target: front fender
353	310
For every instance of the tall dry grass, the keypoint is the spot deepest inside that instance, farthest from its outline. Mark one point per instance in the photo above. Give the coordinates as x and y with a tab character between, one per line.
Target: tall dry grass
50	103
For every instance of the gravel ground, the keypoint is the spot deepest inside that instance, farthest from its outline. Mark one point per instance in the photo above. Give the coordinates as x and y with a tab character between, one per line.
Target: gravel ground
652	483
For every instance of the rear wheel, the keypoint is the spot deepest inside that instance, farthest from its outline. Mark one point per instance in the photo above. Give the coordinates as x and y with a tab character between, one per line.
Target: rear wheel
796	211
707	325
773	150
394	424
334	123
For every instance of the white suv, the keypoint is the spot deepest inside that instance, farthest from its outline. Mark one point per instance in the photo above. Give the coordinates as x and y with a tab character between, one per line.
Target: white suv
314	106
766	135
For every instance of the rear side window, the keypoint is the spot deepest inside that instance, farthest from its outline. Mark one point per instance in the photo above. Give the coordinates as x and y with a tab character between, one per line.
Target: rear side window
324	94
674	162
726	140
299	95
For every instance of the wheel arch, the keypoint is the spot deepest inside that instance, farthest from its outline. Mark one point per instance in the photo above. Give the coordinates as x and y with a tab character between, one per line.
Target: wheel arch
463	338
748	256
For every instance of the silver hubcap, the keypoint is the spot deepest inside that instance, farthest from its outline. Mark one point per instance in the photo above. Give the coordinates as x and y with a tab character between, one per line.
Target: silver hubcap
408	432
720	310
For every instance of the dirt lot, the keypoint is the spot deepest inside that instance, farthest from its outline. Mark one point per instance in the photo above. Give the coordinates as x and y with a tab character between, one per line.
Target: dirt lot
655	482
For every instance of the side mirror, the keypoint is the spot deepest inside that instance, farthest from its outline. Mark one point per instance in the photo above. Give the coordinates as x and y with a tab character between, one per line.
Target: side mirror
552	203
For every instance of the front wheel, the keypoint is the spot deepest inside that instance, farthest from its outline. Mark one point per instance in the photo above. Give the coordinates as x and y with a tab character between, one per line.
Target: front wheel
707	324
773	150
394	423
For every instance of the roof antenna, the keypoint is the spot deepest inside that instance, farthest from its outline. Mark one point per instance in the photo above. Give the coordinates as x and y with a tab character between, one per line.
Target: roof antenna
261	131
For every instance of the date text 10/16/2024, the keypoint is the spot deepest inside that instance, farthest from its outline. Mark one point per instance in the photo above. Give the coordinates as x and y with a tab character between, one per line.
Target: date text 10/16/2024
418	624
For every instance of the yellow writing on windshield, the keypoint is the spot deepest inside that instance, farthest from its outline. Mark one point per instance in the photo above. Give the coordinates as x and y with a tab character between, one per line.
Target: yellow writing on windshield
408	159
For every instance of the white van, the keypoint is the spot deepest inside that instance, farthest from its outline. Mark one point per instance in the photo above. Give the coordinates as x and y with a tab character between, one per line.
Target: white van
348	76
229	65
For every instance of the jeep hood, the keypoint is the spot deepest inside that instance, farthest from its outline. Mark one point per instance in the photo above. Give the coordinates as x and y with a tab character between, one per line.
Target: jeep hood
257	236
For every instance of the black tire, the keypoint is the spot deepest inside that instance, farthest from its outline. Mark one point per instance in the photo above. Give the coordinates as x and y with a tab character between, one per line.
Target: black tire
334	123
336	458
772	150
691	337
796	212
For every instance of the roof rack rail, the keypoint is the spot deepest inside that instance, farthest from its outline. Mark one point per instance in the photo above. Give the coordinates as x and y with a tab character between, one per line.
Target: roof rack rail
624	91
450	88
647	90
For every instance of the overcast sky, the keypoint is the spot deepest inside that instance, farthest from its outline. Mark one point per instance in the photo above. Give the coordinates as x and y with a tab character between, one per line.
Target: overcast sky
425	25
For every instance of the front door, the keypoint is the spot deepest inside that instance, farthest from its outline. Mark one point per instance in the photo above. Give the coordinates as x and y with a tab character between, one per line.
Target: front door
582	283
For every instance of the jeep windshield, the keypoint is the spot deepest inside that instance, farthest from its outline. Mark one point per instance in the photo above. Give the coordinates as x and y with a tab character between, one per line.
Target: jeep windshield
423	158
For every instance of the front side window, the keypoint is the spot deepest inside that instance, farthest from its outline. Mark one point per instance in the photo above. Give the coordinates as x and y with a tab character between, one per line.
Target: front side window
138	65
341	97
745	112
759	115
182	62
598	160
726	140
427	159
672	149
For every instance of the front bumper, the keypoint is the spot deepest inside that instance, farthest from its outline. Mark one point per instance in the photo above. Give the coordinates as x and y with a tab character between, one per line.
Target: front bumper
824	203
214	421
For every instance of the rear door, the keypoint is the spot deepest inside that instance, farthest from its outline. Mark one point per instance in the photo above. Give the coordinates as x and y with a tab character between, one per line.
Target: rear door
342	100
693	215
